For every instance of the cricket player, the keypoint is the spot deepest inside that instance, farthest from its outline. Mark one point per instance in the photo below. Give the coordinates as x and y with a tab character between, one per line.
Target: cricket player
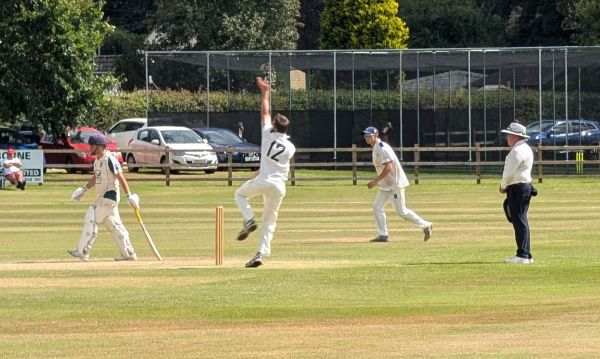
516	184
108	174
269	180
392	181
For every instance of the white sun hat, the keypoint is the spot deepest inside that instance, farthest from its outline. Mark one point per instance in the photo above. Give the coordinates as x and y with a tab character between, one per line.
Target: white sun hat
516	129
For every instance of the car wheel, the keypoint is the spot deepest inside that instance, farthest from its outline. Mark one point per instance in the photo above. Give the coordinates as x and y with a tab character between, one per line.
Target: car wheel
69	162
131	164
210	172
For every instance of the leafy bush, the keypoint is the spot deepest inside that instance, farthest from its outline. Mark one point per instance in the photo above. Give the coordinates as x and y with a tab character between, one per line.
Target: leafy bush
133	104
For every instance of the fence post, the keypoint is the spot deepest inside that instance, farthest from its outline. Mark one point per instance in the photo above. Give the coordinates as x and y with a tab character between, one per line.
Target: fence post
354	174
168	168
478	165
539	166
229	163
417	158
293	170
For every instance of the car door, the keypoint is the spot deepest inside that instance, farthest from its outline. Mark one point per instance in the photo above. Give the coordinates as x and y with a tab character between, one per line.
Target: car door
574	134
141	145
154	155
558	135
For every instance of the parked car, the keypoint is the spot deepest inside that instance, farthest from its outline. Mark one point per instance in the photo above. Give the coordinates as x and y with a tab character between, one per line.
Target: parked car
125	130
190	150
566	132
221	138
19	140
75	139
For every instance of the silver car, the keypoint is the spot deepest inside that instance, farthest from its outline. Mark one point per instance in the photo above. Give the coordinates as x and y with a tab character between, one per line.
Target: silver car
187	150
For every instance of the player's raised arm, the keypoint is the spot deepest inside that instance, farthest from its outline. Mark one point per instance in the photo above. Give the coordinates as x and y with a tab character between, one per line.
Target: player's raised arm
265	102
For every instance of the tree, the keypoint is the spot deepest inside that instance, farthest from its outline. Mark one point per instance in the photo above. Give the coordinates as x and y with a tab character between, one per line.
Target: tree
310	17
450	23
362	24
130	15
531	22
227	24
47	50
583	19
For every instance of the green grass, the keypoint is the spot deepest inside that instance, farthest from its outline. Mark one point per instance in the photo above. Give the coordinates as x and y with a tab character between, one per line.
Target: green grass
324	292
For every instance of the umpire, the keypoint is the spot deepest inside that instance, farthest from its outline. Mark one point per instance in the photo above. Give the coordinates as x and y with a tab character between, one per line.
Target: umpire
516	183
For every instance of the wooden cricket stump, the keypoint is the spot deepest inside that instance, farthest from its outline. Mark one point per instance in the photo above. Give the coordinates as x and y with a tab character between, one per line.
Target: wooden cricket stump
219	236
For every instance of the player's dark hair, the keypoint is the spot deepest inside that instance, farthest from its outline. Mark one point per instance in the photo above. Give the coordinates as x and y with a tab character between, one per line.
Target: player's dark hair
281	123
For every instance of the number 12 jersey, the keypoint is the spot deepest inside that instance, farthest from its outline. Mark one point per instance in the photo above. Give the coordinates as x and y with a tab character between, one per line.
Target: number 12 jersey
276	153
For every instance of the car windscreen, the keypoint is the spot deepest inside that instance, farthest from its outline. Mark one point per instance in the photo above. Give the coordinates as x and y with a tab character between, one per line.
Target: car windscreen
81	136
180	136
222	137
535	126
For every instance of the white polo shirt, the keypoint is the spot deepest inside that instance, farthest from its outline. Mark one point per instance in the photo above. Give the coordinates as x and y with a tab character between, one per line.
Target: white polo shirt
276	153
517	165
382	154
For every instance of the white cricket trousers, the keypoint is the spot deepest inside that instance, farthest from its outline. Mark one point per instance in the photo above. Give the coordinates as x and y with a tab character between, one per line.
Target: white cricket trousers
273	193
395	196
105	211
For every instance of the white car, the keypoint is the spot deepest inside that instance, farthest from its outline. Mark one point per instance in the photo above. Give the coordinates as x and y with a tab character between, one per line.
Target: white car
123	131
189	151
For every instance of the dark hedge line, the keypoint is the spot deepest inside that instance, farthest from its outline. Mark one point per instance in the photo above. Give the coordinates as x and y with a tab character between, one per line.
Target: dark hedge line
526	102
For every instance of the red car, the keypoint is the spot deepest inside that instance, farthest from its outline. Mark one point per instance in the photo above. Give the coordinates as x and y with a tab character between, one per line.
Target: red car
75	139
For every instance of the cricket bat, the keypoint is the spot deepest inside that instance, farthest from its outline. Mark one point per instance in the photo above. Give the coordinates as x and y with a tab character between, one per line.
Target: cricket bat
148	238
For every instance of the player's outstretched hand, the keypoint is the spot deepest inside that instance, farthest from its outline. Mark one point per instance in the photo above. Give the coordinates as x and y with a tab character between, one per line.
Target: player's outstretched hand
263	84
134	200
78	193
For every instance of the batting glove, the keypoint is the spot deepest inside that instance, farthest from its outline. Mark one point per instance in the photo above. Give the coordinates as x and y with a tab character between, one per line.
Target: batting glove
134	200
78	193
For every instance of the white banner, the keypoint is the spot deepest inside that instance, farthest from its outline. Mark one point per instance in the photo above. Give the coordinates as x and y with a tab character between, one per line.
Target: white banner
33	164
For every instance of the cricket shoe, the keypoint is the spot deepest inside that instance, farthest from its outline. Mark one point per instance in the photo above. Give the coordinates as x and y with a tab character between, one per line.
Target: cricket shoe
133	257
249	227
518	260
75	253
256	261
427	232
379	238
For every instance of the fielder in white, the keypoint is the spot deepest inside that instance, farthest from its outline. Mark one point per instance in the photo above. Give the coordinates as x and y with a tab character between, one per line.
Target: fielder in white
392	181
269	180
108	174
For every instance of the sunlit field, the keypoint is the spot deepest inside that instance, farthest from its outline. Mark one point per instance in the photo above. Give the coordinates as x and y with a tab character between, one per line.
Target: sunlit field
324	293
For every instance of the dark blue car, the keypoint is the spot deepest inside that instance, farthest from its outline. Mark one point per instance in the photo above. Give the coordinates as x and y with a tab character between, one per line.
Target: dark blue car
565	133
221	138
17	139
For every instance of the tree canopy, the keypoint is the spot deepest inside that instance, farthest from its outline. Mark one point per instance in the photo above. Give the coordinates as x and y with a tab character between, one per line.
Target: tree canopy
227	24
362	24
47	51
450	23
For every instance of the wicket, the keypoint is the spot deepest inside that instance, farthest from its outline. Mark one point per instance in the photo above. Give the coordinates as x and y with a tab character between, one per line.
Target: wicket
219	236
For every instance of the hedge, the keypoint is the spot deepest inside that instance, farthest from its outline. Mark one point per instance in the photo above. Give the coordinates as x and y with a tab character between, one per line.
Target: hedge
133	104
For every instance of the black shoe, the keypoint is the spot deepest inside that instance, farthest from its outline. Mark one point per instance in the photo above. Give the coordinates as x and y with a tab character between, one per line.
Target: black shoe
249	227
379	238
256	261
19	185
23	185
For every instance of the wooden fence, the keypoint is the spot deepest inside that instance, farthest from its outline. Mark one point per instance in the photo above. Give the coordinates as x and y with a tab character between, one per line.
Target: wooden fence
475	166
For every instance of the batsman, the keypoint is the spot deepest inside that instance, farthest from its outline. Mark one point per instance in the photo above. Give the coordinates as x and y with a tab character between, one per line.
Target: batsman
108	175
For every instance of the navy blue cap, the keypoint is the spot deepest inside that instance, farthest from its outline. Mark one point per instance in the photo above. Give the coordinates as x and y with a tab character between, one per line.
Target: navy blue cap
370	131
98	139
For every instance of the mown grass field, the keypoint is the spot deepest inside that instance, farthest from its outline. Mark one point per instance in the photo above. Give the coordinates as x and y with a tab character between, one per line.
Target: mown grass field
324	293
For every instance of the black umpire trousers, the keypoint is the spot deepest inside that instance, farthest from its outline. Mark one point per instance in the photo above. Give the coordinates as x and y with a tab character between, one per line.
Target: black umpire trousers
519	196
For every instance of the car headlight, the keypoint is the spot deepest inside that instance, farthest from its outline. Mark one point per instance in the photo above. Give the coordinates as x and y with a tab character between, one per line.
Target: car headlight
82	154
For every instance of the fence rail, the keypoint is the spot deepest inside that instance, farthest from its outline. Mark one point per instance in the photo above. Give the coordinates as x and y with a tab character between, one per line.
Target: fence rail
354	164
